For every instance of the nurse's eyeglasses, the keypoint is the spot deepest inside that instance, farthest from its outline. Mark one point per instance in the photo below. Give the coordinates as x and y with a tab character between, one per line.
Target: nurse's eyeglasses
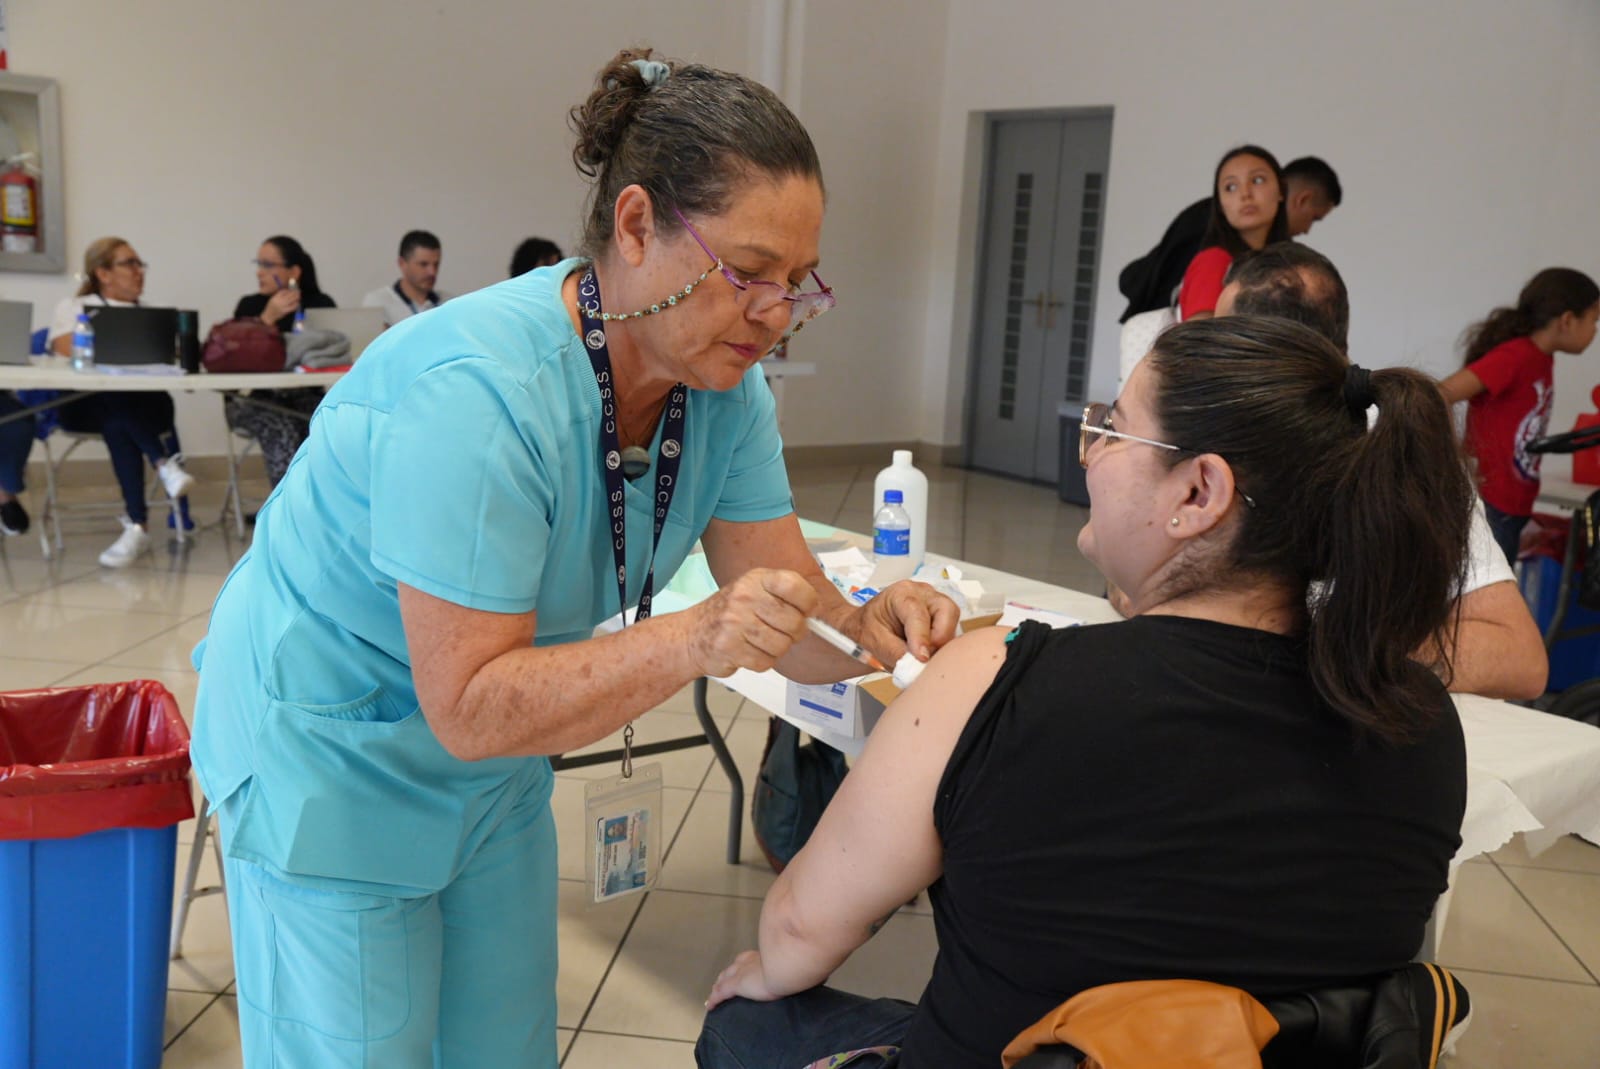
804	305
1096	424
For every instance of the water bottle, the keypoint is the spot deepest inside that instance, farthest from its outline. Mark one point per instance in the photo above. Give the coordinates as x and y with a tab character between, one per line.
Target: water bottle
913	486
83	344
299	321
891	541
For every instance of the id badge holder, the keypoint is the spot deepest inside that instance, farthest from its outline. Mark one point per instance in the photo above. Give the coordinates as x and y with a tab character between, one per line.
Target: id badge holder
623	833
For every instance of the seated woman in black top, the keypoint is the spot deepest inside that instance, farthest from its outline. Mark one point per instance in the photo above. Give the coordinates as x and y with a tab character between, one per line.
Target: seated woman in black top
286	281
1225	787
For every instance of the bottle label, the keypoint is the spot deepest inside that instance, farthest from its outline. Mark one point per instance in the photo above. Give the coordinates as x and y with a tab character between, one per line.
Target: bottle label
891	541
82	341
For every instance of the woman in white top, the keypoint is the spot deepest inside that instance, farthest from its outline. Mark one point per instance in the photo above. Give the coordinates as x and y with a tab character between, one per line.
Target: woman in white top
135	426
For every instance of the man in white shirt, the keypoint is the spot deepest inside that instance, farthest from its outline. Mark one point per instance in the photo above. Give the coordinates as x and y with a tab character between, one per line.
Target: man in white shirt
414	290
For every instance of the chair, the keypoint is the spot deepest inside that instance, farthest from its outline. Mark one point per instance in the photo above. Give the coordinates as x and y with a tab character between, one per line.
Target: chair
50	540
234	498
204	829
1405	1019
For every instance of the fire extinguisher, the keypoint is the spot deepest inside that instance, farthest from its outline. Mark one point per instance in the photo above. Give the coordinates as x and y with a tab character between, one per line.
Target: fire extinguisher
19	206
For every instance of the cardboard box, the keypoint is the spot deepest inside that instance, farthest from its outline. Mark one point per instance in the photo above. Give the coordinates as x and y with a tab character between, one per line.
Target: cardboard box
845	708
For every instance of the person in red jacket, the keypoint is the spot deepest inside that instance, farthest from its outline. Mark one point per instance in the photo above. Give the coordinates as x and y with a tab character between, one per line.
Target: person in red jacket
1507	380
1247	214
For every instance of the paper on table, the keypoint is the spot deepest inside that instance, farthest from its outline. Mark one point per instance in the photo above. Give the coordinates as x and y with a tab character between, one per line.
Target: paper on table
1016	612
138	369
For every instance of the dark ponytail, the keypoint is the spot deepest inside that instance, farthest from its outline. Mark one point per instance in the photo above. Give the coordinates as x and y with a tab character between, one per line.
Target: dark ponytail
687	133
1378	518
1548	295
295	255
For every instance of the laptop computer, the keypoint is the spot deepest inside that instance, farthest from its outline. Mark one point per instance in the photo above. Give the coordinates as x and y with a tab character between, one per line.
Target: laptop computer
125	336
16	326
360	325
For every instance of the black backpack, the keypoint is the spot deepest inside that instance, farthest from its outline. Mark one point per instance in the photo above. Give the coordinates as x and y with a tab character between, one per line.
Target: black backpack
795	785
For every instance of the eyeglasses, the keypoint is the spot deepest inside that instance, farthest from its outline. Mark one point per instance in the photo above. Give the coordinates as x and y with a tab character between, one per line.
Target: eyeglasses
803	306
1096	424
269	265
134	264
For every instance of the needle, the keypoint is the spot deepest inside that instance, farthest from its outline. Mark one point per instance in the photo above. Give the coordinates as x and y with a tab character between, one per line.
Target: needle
843	643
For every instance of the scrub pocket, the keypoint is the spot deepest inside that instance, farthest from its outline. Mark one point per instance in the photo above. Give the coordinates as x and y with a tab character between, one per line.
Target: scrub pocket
358	790
339	964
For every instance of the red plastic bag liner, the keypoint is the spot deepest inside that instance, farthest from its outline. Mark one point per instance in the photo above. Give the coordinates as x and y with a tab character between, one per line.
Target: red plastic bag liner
75	760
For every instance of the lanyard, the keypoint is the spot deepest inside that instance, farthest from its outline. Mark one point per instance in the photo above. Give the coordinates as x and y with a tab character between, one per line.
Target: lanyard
594	340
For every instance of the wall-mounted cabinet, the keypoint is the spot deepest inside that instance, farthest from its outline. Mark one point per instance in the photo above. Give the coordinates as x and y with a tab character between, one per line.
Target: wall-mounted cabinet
30	110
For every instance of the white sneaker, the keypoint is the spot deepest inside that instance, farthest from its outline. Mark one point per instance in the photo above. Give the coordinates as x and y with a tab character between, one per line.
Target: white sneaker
133	542
177	481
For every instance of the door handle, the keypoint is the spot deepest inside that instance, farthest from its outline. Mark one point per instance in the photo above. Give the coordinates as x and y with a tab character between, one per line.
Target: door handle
1050	307
1037	300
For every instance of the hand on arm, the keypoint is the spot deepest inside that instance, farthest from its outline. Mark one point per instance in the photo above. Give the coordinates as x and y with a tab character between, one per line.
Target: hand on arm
876	844
906	614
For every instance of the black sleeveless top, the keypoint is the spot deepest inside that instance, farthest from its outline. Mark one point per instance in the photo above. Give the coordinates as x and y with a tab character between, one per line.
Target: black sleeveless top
1167	798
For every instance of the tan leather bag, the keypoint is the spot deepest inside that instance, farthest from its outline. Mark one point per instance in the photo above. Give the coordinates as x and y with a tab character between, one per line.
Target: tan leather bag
1154	1024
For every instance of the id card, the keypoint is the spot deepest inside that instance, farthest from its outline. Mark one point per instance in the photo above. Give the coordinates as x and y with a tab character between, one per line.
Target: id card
622	820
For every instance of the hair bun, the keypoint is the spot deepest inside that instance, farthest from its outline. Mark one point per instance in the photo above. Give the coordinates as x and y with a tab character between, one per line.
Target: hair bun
602	120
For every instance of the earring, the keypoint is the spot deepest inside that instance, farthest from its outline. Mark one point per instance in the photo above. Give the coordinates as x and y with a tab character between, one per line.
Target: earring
1174	521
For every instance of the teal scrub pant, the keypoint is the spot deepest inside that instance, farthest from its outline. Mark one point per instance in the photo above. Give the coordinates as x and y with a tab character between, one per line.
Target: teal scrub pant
461	978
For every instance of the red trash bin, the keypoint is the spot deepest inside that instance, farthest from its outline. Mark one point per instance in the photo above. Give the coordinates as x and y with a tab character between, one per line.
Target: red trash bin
93	783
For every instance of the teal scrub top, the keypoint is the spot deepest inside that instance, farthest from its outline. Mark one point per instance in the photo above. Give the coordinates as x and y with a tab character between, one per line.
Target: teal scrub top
461	457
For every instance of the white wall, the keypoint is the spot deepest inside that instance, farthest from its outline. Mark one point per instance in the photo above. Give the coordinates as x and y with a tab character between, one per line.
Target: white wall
195	129
1463	132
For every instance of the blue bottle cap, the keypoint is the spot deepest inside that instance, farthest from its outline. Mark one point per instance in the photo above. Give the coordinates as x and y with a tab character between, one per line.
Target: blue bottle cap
893	497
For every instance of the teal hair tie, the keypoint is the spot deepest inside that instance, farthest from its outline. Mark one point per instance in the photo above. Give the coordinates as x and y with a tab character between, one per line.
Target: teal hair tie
654	72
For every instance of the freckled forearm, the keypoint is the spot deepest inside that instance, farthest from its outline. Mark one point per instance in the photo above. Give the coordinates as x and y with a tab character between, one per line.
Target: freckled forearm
550	700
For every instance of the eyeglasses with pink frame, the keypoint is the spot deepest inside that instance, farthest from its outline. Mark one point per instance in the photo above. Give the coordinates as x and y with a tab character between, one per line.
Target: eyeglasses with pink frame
803	307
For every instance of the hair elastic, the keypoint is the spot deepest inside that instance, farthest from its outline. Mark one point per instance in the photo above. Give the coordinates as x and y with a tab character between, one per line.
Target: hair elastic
653	71
1358	393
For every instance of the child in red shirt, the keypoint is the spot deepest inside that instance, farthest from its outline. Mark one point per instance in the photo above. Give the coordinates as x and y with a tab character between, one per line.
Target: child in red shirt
1507	381
1247	213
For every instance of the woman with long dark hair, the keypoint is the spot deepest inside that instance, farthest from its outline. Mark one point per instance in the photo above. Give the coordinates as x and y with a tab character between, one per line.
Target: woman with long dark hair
1238	784
1247	214
286	283
1508	379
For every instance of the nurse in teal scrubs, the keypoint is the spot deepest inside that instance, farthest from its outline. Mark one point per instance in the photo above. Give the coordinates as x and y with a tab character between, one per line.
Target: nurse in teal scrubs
411	630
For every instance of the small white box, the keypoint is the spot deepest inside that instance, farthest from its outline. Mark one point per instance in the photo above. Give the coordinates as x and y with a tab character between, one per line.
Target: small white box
833	708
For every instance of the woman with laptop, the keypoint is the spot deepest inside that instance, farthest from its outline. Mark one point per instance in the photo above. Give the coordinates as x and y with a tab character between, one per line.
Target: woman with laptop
135	426
286	285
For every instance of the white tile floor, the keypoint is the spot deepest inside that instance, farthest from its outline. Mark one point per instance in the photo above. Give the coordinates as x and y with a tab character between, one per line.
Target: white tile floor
1523	932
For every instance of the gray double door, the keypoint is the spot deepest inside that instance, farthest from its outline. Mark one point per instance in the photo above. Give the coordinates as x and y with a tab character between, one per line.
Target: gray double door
1046	206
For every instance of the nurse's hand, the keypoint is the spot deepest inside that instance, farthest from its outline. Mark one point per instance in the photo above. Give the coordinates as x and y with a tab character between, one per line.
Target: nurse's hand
908	616
751	622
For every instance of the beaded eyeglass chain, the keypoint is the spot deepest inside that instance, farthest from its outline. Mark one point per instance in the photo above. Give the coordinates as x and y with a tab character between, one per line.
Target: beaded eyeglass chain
665	303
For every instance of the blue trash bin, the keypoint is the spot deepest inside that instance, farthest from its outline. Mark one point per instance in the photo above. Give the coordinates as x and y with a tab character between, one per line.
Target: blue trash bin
93	783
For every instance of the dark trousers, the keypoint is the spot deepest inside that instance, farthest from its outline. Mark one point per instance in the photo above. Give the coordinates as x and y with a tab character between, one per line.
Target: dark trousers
793	1032
1507	530
135	426
279	434
16	439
